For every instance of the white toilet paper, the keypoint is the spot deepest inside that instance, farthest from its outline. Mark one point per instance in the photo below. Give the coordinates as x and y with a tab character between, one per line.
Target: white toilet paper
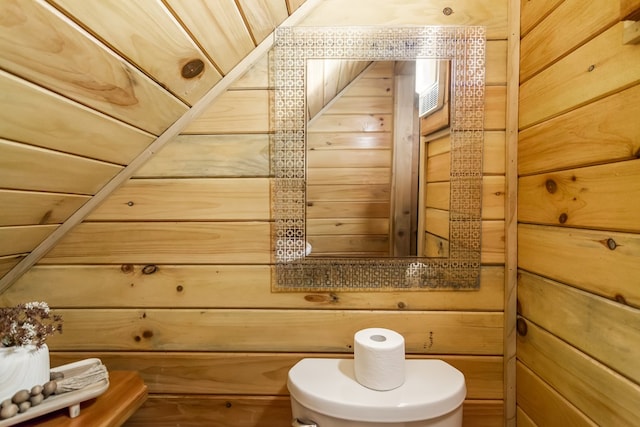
379	358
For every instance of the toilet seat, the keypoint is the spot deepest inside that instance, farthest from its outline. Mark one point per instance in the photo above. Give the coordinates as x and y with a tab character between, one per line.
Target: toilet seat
432	388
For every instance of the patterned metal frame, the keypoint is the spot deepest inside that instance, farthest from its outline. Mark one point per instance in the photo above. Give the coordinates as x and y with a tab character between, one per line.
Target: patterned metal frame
465	47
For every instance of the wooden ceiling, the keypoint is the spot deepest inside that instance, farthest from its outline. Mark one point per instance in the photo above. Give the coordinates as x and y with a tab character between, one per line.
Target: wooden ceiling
86	87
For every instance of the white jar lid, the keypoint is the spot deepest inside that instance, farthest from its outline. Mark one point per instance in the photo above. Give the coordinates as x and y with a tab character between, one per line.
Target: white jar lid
432	388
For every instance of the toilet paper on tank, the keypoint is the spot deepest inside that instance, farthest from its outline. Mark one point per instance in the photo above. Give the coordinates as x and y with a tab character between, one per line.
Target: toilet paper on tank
379	358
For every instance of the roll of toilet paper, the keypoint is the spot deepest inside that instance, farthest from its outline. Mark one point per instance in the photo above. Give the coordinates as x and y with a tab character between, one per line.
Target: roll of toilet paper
379	358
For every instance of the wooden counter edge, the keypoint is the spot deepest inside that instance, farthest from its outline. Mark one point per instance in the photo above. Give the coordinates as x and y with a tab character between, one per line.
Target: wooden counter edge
126	393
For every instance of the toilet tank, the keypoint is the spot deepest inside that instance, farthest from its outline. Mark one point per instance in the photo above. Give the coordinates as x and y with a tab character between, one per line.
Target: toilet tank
325	393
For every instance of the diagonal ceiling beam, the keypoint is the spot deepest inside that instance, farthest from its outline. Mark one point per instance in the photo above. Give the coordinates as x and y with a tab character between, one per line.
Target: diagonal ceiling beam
168	135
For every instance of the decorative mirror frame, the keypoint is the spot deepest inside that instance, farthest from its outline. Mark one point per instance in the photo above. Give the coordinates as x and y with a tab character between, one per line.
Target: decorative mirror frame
465	47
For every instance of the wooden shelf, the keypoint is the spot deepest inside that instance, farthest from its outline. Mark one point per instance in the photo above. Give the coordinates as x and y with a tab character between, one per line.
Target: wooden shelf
126	393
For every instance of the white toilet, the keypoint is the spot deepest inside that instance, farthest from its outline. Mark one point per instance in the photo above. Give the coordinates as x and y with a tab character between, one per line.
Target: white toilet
325	393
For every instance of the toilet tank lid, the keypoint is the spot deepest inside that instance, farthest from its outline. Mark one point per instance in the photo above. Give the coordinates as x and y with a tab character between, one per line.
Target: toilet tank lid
432	388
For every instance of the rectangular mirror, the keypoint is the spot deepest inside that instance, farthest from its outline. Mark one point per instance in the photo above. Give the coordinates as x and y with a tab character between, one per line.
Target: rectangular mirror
355	205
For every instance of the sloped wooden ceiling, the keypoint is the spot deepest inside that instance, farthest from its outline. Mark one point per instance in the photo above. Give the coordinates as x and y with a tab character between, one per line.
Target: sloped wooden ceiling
88	87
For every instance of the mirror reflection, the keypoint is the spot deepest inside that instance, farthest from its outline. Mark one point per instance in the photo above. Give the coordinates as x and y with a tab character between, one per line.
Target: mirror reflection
366	171
386	199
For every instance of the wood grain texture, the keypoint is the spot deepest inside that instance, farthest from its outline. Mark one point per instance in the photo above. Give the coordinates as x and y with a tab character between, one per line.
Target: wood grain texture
496	62
20	239
495	107
8	262
436	222
450	332
150	37
237	111
187	200
523	419
370	104
329	81
346	209
368	85
493	249
347	192
543	405
439	168
493	197
261	373
31	168
602	131
31	207
354	159
604	396
164	242
353	140
534	11
597	69
292	5
493	153
225	286
237	292
510	215
605	330
362	122
125	394
572	23
256	77
207	156
489	13
347	226
35	116
368	245
218	27
263	16
583	258
602	197
73	63
361	176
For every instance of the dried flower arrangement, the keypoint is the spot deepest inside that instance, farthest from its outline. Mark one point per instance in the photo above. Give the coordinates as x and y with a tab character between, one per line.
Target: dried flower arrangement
28	324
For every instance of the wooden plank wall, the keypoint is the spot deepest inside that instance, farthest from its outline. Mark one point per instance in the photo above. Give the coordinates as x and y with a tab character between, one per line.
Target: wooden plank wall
85	89
578	204
170	276
349	150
